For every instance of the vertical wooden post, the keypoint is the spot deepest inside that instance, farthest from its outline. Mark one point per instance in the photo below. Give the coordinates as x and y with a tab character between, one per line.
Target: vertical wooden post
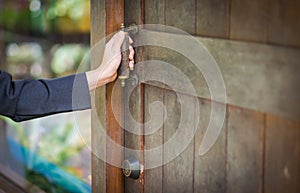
98	100
115	178
106	18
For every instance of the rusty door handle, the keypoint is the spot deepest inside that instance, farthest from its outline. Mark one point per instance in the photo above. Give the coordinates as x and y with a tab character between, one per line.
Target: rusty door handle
123	70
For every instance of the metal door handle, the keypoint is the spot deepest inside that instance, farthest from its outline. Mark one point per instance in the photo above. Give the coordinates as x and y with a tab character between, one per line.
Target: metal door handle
123	71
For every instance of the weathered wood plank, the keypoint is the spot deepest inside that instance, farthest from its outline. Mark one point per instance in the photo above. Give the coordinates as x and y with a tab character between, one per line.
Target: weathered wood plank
212	18
178	173
244	151
155	12
133	133
181	14
210	169
249	20
98	102
153	177
97	21
259	77
114	174
106	178
114	15
284	25
174	59
133	12
282	155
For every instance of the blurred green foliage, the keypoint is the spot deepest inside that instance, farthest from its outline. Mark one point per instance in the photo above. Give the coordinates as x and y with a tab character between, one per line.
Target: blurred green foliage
67	58
57	145
42	182
40	17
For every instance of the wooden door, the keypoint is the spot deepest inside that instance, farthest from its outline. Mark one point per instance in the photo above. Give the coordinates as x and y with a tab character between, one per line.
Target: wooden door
145	115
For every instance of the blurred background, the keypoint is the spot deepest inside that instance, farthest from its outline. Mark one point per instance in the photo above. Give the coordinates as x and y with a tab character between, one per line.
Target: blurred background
45	39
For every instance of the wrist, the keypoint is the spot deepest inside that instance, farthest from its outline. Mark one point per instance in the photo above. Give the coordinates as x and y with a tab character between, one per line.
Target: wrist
94	79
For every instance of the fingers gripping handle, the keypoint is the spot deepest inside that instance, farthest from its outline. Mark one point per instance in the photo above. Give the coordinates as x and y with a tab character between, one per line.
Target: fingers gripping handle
123	70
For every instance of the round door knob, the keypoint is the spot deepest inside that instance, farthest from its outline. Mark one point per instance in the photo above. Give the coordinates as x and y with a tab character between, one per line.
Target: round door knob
131	167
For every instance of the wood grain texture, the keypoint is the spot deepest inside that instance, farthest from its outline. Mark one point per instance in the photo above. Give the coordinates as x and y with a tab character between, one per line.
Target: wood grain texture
153	177
259	77
244	151
284	25
212	18
249	20
178	173
114	10
98	101
209	169
97	21
133	12
134	139
189	70
133	130
155	12
114	175
115	121
181	14
282	156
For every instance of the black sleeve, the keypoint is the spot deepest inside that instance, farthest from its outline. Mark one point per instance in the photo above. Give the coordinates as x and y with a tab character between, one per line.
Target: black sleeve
27	99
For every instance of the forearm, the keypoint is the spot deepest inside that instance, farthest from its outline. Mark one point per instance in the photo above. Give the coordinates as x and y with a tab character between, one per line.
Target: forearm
28	99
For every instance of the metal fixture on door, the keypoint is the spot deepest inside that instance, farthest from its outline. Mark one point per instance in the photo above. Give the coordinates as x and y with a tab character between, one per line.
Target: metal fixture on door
123	71
131	167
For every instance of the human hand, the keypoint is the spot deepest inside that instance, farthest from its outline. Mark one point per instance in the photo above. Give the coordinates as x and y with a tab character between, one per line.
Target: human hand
107	71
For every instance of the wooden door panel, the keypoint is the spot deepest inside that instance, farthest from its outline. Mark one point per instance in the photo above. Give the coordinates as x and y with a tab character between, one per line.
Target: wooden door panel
245	150
132	133
282	173
98	101
178	61
181	14
239	153
209	169
178	173
153	177
155	12
106	18
284	25
248	20
212	18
